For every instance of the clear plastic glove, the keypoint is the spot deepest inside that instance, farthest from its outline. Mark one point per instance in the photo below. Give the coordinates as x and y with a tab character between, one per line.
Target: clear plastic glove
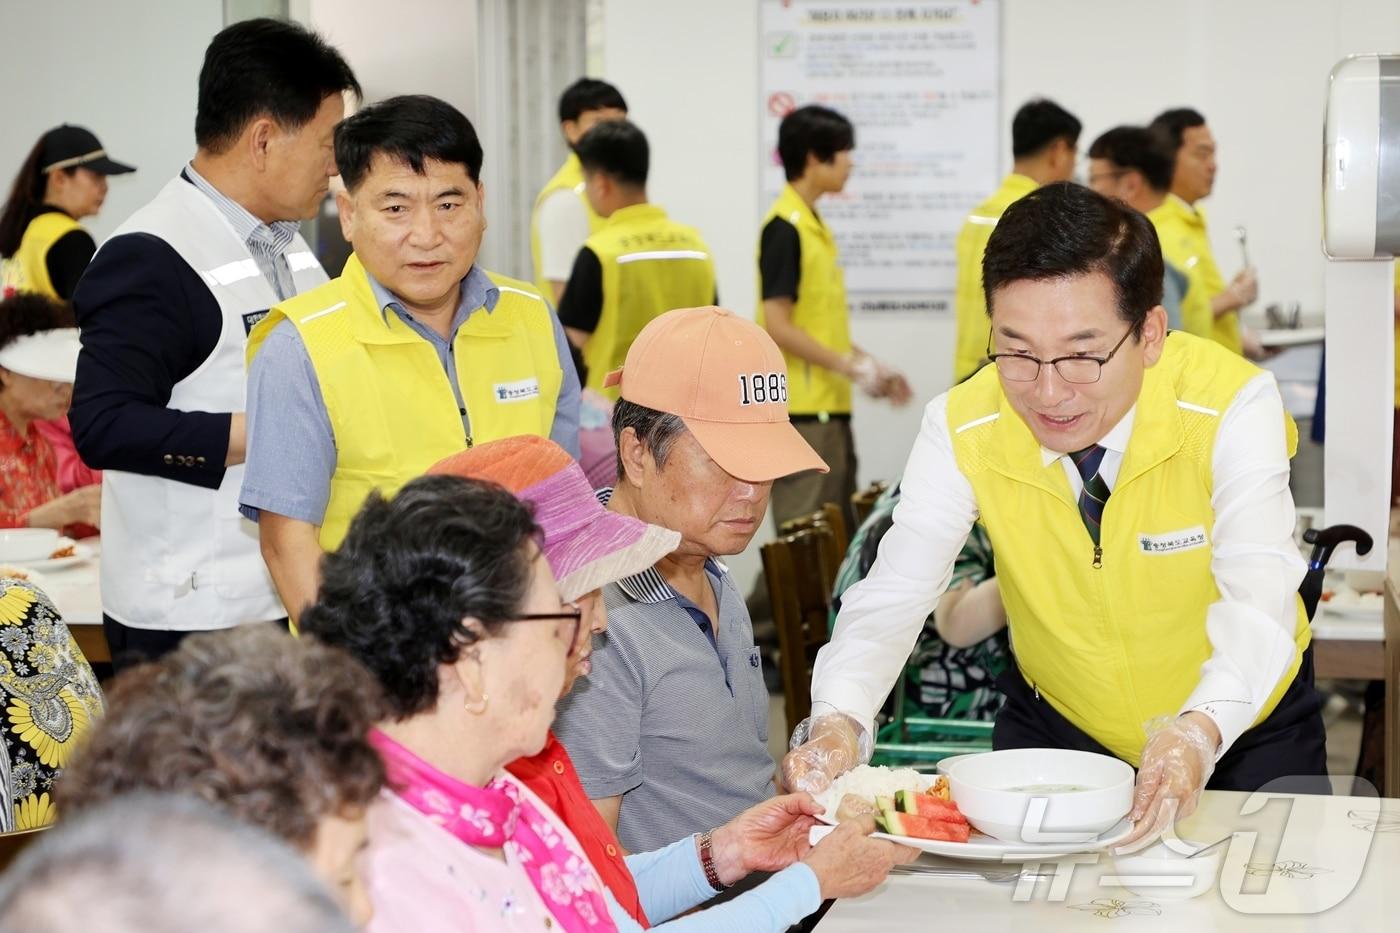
823	747
865	373
1244	287
1176	764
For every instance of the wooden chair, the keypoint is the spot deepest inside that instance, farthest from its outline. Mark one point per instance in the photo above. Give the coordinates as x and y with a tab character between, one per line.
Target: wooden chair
863	502
831	518
799	574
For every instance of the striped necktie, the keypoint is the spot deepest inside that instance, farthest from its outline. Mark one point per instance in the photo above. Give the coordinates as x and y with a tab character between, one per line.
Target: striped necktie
1095	492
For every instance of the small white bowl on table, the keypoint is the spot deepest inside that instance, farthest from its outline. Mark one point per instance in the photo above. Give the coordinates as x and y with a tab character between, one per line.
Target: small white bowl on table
27	544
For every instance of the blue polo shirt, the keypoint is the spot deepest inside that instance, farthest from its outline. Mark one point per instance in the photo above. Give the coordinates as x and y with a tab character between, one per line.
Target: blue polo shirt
291	447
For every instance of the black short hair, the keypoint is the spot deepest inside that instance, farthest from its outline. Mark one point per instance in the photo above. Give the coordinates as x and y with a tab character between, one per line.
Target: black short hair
1063	230
265	67
587	94
1038	124
658	431
1137	148
411	568
411	129
815	129
1173	124
617	148
26	313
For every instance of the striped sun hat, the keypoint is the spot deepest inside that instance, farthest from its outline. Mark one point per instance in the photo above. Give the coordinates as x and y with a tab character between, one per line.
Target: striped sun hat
586	545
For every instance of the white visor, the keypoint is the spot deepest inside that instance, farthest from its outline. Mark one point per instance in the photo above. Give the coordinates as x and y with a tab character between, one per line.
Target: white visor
49	354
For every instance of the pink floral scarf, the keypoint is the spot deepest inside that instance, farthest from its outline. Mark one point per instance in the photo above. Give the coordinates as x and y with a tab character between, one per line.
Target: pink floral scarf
499	816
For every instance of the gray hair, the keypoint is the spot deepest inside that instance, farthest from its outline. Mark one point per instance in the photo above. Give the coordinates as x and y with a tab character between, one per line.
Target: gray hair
657	430
163	864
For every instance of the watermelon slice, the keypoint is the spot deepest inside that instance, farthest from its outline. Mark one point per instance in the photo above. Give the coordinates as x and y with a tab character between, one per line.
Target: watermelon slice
922	827
928	805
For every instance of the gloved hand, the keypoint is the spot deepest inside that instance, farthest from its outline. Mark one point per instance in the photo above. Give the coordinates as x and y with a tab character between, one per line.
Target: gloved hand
823	747
864	372
1176	764
1244	287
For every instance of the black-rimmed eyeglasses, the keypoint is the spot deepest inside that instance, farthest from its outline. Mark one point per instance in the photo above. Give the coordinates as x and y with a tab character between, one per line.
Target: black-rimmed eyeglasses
574	615
1079	370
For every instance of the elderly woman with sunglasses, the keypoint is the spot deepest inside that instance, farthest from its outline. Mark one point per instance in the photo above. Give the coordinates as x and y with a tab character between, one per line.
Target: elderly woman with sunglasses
446	595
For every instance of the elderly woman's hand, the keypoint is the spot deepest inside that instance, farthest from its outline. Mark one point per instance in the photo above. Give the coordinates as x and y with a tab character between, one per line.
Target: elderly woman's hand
769	836
82	506
848	863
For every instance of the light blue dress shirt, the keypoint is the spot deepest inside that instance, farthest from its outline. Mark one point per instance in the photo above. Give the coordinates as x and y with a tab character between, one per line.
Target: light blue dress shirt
291	447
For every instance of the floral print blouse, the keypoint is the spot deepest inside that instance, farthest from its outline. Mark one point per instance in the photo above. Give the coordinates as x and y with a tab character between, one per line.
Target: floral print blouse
50	699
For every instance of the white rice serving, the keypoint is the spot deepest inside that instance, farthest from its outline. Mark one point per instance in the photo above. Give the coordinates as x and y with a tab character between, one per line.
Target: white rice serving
871	782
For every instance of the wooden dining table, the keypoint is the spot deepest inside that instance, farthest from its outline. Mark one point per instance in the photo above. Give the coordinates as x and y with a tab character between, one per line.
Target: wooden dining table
1292	862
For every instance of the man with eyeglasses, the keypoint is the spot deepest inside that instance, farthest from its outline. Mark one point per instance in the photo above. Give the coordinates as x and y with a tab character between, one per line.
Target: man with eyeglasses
1134	484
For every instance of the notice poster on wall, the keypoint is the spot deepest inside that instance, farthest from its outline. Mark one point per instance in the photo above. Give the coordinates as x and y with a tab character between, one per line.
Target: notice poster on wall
920	79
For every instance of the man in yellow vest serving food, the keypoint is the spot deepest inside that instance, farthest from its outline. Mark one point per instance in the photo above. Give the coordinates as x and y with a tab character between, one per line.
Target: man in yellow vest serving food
412	354
634	268
1134	485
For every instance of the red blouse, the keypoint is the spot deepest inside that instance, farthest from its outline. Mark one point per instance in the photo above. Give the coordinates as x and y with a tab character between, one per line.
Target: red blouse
28	473
552	777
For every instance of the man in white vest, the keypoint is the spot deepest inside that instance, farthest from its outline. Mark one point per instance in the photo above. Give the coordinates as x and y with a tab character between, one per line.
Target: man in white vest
164	312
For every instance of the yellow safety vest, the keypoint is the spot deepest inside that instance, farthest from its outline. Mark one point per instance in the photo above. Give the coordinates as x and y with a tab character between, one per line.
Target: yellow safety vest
391	410
651	265
568	178
820	310
1114	646
1181	229
969	301
29	267
1196	315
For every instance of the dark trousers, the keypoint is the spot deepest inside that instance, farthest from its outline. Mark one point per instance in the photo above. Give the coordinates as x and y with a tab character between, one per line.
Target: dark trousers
1289	746
132	646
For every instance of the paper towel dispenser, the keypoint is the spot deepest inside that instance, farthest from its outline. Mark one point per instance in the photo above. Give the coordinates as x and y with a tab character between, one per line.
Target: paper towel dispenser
1361	159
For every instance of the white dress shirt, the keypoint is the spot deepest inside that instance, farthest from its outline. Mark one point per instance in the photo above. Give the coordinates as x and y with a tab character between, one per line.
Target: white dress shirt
563	226
1255	562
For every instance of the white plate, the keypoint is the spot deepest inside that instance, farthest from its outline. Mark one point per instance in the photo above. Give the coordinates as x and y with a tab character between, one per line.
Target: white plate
82	553
1289	337
1358	613
986	849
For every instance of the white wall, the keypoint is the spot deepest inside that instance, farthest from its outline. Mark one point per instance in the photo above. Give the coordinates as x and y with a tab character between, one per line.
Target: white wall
1257	69
127	71
409	47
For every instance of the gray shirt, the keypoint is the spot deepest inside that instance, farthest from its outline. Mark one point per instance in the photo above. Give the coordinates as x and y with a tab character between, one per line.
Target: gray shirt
291	446
671	718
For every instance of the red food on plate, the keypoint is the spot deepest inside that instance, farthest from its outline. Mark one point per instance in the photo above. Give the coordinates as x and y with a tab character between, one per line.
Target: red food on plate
923	827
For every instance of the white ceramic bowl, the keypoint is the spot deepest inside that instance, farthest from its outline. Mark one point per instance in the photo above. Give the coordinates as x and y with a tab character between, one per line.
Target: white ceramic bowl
27	543
1021	795
1163	870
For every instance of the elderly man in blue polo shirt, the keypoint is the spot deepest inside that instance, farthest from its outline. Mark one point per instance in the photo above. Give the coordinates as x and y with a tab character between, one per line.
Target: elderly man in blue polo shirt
669	732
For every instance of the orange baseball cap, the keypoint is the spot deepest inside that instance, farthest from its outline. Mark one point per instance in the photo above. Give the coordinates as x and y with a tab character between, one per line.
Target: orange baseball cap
726	379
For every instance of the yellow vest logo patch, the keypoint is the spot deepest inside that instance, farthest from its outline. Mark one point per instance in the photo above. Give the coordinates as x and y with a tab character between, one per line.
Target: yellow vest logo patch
1187	539
521	390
